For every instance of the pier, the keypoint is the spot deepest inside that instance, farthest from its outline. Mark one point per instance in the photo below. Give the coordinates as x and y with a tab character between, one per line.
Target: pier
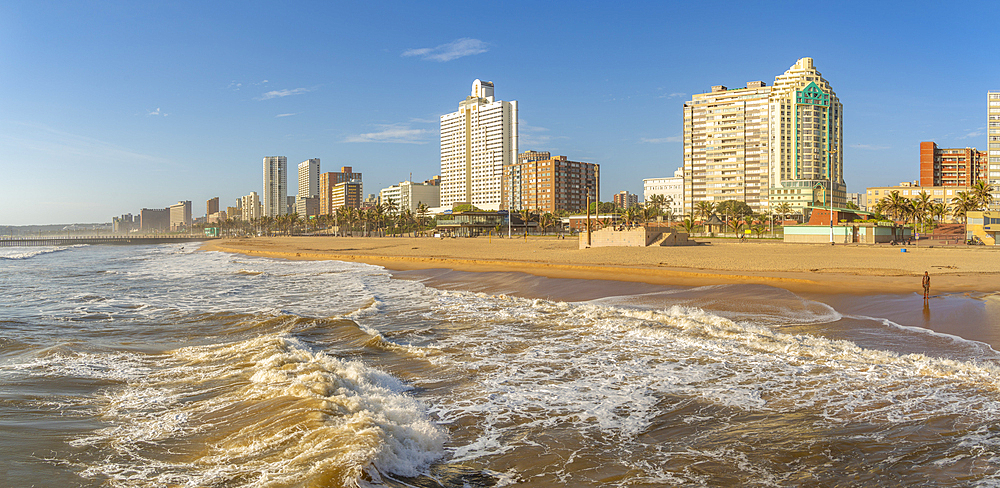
108	240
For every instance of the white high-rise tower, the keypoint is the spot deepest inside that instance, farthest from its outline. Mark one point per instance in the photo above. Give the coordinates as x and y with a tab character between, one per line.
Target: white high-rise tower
477	142
275	186
309	178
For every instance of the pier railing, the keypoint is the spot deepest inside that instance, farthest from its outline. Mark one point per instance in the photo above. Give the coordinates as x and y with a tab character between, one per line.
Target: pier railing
110	239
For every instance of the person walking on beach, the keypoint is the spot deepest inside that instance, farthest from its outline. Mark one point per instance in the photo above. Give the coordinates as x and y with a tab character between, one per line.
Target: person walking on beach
926	281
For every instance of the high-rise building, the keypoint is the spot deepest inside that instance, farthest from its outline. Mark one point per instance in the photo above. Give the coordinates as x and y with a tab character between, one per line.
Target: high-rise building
212	206
725	146
766	145
309	178
951	166
345	194
624	199
153	220
275	186
551	184
672	188
328	183
806	137
477	142
180	216
250	207
993	144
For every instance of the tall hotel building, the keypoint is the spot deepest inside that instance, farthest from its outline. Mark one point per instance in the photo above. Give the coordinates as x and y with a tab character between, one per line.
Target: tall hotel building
477	142
275	186
307	199
993	144
766	145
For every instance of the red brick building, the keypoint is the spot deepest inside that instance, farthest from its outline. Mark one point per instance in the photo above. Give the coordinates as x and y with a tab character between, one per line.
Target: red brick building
951	166
552	184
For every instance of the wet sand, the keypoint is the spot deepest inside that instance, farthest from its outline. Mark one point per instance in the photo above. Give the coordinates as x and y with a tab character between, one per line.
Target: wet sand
800	268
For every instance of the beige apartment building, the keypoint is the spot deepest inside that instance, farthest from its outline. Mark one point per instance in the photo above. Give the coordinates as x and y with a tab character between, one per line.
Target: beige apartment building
993	144
551	184
766	145
912	190
330	198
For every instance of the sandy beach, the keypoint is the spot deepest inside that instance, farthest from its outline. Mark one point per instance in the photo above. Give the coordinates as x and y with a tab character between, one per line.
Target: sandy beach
808	268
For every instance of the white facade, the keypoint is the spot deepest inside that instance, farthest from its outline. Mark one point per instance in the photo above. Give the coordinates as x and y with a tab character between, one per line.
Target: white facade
275	186
477	142
309	178
993	144
409	195
672	188
250	208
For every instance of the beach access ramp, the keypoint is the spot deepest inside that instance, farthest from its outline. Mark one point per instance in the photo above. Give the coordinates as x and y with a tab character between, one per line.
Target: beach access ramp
634	237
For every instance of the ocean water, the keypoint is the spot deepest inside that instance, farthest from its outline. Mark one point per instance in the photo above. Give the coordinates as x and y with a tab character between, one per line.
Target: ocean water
166	366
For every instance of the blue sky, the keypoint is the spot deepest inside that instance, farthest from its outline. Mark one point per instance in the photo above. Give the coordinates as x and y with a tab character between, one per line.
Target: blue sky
109	107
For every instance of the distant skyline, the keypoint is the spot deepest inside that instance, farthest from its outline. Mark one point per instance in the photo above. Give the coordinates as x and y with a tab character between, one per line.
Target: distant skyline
111	107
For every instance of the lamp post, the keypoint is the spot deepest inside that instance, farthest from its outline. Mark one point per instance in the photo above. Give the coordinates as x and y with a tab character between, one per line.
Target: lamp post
829	172
588	217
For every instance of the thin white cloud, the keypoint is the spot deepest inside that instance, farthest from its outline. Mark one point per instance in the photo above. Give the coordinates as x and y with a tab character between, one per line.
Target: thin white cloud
392	133
980	132
452	50
286	115
533	136
673	95
284	93
157	112
661	140
870	147
417	120
75	147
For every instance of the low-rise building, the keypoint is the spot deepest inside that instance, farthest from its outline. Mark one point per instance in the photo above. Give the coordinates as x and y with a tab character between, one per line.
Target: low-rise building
306	206
672	188
408	195
912	190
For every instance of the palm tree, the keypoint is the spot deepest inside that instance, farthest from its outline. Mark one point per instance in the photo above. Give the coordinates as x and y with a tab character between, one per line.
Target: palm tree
422	211
546	220
688	225
938	211
922	207
527	216
962	204
705	208
631	214
982	192
784	209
